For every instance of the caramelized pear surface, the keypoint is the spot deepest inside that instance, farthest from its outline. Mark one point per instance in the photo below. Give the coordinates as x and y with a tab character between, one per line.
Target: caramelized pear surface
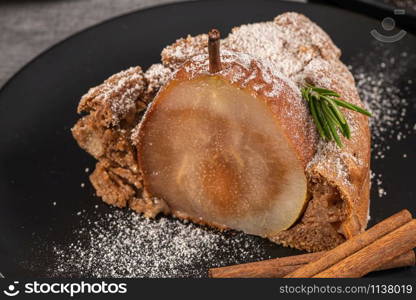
216	155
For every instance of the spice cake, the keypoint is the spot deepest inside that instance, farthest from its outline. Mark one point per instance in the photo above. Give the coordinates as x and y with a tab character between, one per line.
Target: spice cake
275	60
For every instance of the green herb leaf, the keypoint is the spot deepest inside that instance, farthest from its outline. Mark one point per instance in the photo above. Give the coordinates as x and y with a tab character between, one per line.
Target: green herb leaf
322	118
353	107
324	107
316	119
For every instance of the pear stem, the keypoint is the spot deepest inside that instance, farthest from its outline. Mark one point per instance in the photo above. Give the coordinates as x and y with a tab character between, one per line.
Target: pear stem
214	37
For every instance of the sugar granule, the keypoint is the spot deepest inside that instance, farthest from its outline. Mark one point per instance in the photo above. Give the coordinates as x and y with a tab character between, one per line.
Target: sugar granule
125	244
386	92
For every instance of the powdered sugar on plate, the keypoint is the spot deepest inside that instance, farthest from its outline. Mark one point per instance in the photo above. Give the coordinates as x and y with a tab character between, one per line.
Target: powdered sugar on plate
125	244
384	87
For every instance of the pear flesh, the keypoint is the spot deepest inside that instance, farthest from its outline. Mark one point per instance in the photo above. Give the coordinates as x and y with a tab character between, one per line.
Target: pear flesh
216	155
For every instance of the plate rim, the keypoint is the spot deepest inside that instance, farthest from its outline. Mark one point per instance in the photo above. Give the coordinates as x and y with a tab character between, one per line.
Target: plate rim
45	51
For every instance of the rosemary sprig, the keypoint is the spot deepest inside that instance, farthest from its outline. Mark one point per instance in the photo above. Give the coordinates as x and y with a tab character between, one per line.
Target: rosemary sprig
328	118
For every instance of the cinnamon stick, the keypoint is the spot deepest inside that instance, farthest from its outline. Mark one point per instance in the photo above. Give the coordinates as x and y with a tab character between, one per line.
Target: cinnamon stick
214	37
353	245
272	268
280	267
374	255
405	260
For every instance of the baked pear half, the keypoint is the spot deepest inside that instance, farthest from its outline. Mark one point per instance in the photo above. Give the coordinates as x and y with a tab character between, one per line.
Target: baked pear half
229	148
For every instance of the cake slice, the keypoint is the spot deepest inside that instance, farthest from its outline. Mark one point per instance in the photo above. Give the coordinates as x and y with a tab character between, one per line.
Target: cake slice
337	179
113	109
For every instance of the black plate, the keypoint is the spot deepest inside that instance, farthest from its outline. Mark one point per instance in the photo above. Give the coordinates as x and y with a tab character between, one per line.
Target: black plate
40	163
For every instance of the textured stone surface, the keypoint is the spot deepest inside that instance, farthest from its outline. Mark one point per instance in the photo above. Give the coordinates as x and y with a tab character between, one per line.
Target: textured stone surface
29	27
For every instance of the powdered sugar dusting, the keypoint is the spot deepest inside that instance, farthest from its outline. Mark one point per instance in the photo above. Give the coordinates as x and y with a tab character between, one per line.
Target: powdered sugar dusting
176	54
264	40
288	43
156	76
120	92
124	244
378	86
128	97
334	164
385	89
245	76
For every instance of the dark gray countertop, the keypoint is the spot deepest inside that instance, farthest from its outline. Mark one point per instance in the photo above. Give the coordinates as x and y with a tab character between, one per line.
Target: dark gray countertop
29	27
